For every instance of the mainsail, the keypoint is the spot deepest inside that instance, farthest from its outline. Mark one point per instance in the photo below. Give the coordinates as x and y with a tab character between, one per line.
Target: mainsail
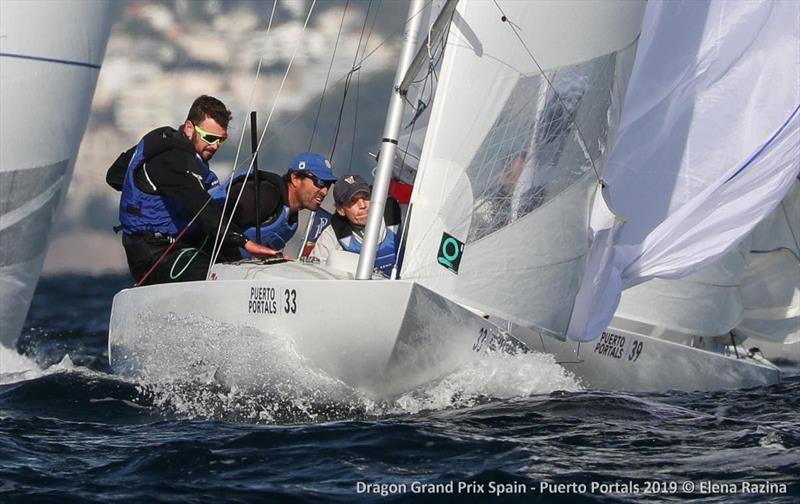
708	146
527	102
50	55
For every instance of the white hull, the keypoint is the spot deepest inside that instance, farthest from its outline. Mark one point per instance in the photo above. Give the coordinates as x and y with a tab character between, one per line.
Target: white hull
380	337
629	359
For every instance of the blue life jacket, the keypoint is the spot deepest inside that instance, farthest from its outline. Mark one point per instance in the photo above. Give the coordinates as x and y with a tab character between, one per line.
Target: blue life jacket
140	212
276	229
386	255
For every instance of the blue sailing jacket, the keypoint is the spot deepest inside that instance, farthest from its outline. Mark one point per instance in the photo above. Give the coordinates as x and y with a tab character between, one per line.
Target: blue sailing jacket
154	213
386	254
276	229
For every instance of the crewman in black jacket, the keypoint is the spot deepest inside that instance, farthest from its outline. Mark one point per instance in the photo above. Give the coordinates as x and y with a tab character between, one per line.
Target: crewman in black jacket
165	181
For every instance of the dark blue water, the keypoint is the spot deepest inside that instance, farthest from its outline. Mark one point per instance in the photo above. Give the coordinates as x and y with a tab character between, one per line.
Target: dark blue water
76	433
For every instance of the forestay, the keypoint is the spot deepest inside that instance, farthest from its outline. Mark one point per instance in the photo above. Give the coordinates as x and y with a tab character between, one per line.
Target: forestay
504	170
708	144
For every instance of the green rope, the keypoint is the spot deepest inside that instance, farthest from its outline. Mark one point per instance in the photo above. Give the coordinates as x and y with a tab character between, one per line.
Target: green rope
197	250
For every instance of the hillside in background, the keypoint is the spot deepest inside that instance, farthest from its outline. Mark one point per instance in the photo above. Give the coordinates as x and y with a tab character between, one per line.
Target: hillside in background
163	54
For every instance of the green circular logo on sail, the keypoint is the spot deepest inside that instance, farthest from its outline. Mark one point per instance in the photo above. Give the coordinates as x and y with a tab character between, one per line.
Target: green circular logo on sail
450	250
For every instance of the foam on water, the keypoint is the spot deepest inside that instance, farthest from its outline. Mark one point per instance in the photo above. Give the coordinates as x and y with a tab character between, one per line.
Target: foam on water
235	372
493	376
15	367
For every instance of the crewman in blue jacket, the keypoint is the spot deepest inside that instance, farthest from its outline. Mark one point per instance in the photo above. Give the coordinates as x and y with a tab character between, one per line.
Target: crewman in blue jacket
304	186
165	181
351	194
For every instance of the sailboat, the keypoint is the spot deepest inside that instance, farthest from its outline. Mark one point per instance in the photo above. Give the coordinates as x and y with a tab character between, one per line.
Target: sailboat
495	97
50	56
498	252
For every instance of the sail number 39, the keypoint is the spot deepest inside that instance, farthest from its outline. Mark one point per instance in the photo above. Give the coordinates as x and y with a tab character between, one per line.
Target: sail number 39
636	350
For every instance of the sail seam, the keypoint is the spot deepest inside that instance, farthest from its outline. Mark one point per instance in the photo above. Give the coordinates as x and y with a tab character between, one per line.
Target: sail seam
49	60
766	144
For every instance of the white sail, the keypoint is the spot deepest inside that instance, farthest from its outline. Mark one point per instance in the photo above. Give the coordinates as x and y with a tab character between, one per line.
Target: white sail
705	303
755	288
708	145
771	294
770	288
50	56
781	228
503	168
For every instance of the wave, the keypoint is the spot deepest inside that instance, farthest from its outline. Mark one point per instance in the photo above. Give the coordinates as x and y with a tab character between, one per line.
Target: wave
215	370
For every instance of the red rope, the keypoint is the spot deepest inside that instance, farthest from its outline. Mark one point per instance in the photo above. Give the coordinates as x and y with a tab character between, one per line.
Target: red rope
161	258
172	245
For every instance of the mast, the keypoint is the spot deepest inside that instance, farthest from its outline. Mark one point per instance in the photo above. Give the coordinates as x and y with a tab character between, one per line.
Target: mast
366	260
437	30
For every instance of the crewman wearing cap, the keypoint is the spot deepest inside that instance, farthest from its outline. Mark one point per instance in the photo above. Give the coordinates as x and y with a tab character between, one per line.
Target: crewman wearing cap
351	195
304	185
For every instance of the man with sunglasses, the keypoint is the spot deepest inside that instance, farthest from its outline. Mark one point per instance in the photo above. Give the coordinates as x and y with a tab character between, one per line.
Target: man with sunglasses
304	186
167	216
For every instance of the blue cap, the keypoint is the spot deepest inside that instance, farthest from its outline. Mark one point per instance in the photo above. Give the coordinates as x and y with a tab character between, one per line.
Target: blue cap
314	163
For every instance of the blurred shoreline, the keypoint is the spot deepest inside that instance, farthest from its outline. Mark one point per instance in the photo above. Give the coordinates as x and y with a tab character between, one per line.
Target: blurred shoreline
161	55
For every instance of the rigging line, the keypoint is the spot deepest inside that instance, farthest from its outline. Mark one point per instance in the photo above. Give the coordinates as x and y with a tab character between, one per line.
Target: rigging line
358	88
402	165
339	118
581	139
394	33
327	77
354	68
404	231
371	26
789	225
361	36
172	245
355	124
217	240
216	252
437	55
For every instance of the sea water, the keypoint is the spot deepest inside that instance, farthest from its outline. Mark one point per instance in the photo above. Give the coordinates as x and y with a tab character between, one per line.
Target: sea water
511	428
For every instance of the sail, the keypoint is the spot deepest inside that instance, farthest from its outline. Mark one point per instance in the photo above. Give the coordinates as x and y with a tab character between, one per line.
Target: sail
50	56
708	144
771	297
529	95
705	303
770	288
754	288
